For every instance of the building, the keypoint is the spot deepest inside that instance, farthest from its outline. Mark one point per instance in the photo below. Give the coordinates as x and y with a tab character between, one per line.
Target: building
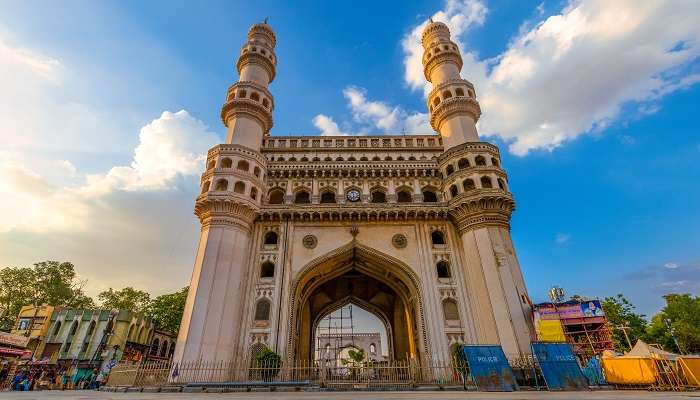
333	349
162	346
33	322
414	229
580	322
86	339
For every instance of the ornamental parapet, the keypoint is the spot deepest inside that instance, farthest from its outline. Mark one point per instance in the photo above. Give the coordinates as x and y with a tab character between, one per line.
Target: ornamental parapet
481	208
434	30
253	55
469	147
452	107
225	149
441	54
451	83
249	108
263	29
226	208
369	212
251	90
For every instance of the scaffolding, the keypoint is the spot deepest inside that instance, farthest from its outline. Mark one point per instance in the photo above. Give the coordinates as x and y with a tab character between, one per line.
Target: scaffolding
338	332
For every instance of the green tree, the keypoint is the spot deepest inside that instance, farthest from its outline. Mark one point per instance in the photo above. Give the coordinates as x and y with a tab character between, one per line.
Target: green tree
268	364
679	320
622	317
47	282
166	310
125	299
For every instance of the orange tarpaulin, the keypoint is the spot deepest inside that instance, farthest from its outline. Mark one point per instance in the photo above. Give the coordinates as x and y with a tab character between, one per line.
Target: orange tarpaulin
691	370
629	370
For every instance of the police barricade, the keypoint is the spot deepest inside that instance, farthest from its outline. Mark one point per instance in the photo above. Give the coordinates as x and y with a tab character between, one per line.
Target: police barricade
559	366
489	368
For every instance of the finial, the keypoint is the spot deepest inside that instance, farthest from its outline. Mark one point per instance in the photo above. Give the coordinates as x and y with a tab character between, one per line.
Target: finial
265	22
430	19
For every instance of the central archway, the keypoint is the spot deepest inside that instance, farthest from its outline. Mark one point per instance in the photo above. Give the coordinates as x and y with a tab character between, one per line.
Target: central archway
357	274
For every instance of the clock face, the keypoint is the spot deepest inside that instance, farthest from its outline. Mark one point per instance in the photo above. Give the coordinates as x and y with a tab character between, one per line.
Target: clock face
353	195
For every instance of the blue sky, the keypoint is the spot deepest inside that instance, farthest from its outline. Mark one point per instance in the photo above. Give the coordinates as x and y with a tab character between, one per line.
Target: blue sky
593	104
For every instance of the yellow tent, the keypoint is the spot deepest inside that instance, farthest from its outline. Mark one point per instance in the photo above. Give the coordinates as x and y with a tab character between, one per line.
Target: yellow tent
690	365
636	367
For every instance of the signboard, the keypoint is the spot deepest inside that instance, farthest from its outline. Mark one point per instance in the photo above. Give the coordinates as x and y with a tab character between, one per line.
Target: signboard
559	366
489	368
569	310
13	340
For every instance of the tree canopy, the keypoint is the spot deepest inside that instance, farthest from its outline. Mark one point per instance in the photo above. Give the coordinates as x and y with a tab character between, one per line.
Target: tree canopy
126	299
166	310
48	282
623	319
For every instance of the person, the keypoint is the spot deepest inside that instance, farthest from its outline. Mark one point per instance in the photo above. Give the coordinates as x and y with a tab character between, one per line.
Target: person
65	379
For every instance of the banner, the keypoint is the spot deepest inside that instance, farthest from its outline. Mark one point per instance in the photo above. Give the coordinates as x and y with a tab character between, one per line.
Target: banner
489	368
559	366
549	330
13	340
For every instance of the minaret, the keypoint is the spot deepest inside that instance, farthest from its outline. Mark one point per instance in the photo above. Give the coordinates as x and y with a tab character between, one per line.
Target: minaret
231	194
479	202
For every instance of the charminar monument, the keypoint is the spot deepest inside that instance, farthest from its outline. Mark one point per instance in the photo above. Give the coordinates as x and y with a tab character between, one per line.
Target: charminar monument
414	229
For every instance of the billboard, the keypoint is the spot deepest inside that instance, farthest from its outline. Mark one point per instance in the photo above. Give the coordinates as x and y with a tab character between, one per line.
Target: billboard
568	310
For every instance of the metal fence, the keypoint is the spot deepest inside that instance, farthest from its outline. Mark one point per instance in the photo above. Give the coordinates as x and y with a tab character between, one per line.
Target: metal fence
367	375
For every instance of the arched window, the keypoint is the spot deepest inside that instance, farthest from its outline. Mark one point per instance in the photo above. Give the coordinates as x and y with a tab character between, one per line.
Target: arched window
376	158
480	160
302	198
276	196
57	328
130	336
411	158
243	165
211	164
155	346
450	170
443	269
256	172
271	238
242	94
387	158
292	158
351	158
339	159
459	92
436	101
462	163
437	237
221	185
327	197
327	159
468	184
447	94
139	335
266	103
164	349
372	348
328	348
226	163
449	307
453	190
239	187
486	182
280	158
316	159
399	158
304	159
253	193
364	159
494	161
501	184
404	196
205	186
429	196
262	310
255	96
90	330
377	196
267	270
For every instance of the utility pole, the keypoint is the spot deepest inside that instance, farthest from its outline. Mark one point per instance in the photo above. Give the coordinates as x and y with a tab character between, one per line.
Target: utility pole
667	322
624	328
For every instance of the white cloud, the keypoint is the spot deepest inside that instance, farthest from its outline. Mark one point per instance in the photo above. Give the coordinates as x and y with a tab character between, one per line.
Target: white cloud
671	265
372	115
173	144
326	125
562	238
573	72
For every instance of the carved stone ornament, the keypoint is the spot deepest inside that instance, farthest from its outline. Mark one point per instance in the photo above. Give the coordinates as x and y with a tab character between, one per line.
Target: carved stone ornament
309	241
399	241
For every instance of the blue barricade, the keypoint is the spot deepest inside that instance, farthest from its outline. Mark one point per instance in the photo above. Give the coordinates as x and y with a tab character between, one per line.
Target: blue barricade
559	366
489	368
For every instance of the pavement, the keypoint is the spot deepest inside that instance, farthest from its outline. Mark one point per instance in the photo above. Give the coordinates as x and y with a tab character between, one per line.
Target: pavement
592	395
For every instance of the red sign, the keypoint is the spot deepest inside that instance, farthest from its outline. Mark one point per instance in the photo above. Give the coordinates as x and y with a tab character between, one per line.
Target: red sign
14	352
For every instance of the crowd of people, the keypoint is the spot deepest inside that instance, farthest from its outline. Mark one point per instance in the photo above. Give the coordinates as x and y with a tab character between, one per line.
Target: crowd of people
28	378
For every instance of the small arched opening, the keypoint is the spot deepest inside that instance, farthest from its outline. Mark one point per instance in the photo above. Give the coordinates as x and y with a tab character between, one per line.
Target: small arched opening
267	270
302	197
437	238
276	196
486	182
271	238
443	270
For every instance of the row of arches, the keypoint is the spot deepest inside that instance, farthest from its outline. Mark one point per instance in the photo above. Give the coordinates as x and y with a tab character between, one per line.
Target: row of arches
227	163
164	348
351	158
138	336
469	184
222	185
463	163
447	94
376	195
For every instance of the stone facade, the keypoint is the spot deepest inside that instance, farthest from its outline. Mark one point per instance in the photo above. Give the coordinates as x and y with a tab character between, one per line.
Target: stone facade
333	348
415	229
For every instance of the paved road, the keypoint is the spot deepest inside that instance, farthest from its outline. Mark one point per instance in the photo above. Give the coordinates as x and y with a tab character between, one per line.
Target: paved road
597	395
